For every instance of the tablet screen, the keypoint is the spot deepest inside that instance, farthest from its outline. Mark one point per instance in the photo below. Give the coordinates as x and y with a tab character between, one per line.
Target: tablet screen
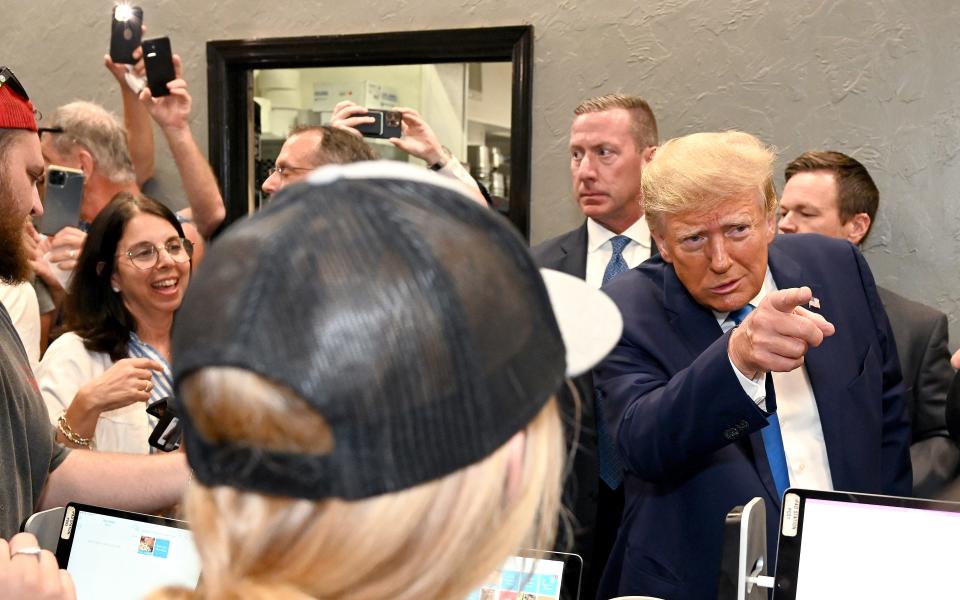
860	546
112	554
556	576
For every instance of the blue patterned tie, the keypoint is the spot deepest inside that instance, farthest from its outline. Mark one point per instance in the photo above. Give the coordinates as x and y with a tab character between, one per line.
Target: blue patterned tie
616	265
611	467
772	440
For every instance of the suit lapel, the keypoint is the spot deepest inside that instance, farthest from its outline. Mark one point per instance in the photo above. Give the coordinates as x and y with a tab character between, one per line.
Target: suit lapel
819	362
574	260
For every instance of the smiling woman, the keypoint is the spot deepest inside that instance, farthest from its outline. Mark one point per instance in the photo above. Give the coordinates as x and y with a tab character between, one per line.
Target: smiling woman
130	279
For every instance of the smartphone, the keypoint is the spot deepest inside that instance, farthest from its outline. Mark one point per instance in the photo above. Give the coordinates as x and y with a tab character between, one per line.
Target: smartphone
386	126
158	59
125	28
61	200
166	434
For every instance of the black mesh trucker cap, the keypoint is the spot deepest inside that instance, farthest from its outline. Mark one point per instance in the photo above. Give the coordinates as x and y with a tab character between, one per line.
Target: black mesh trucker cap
412	319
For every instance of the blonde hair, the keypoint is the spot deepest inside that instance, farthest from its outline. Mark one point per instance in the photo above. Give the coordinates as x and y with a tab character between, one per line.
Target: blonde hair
701	170
643	123
440	539
100	132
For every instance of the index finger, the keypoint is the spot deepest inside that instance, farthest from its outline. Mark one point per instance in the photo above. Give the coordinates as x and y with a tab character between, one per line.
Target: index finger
177	66
146	363
787	300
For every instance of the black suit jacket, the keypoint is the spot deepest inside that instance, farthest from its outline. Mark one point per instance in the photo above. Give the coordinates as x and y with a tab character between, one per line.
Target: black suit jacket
566	252
921	336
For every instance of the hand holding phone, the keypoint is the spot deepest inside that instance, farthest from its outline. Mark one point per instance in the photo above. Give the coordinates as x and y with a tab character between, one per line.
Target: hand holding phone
158	59
62	197
386	125
125	33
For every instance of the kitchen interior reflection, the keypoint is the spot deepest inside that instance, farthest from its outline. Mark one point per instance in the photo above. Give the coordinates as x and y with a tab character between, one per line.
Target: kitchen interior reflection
468	105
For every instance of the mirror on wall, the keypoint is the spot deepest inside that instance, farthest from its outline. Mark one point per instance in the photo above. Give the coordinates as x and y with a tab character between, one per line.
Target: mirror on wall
468	106
472	86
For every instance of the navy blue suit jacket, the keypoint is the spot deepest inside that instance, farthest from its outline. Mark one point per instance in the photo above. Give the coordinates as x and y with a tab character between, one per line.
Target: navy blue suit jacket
690	436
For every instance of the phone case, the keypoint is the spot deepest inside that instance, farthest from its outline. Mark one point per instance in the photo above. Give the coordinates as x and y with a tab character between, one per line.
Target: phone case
125	35
386	126
166	434
374	129
158	59
61	203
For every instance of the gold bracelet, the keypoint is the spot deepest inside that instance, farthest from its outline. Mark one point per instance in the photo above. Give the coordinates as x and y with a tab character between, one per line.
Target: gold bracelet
72	436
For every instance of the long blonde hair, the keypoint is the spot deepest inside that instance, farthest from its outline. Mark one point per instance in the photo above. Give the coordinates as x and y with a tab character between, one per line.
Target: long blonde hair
440	539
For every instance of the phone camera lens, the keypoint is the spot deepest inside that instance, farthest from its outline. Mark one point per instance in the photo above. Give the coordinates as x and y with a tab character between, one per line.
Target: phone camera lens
56	177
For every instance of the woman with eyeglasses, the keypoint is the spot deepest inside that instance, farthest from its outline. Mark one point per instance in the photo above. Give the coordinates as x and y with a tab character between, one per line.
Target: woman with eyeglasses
98	378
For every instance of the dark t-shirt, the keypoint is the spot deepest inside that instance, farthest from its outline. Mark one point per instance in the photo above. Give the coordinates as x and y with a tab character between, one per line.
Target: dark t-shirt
28	450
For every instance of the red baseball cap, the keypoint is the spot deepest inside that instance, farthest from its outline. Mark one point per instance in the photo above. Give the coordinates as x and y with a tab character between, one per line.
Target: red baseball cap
16	110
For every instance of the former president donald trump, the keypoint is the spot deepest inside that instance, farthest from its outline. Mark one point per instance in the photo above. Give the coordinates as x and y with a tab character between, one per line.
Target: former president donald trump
748	363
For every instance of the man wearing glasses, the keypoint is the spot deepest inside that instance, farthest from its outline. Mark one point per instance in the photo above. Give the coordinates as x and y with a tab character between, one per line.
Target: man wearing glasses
311	147
37	473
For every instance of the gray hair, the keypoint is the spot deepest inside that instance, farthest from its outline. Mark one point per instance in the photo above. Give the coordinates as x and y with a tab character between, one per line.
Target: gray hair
100	132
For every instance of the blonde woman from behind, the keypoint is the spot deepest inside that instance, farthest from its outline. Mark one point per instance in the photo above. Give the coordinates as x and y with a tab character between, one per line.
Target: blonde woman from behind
366	370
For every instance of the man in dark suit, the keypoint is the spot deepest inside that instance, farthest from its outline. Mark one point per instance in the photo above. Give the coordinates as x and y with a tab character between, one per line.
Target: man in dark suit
611	138
713	404
833	194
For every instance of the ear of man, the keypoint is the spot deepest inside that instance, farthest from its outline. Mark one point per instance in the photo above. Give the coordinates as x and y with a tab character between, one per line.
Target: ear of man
857	227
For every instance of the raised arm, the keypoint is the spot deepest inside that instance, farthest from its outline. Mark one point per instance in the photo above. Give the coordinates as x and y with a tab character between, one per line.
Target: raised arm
136	120
172	114
419	140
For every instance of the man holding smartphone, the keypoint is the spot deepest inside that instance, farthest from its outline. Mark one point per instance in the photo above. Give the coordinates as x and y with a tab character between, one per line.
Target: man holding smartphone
415	137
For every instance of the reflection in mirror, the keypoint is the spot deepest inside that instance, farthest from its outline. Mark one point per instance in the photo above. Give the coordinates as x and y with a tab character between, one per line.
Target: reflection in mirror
468	106
479	101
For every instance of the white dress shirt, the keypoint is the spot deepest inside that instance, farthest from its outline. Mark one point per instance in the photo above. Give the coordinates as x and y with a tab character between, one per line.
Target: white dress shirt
600	250
803	442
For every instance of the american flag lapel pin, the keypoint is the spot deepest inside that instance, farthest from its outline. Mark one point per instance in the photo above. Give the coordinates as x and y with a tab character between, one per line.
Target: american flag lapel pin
815	303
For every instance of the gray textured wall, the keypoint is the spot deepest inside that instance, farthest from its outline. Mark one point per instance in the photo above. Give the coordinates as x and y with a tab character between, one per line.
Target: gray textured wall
876	79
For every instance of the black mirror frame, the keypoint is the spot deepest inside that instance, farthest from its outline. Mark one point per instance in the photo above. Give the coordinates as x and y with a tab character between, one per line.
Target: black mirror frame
230	90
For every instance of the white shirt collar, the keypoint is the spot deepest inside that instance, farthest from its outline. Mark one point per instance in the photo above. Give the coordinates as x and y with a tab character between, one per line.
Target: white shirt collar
598	235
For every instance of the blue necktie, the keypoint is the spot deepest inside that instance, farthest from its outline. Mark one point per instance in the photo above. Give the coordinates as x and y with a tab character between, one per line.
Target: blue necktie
772	440
616	265
611	467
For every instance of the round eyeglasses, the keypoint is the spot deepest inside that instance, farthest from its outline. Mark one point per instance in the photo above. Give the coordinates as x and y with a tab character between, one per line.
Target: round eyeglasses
145	255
